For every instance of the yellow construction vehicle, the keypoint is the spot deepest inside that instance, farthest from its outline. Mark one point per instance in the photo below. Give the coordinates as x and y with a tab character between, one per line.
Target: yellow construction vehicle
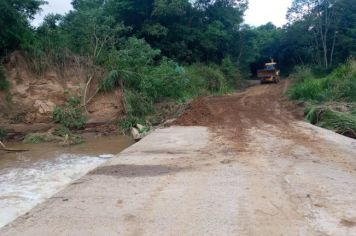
269	74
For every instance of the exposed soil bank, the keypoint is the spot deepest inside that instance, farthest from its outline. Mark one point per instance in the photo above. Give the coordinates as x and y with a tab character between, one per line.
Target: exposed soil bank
27	107
258	170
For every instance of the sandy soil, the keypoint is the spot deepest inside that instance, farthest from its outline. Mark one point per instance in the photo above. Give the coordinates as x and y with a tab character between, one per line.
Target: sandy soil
246	164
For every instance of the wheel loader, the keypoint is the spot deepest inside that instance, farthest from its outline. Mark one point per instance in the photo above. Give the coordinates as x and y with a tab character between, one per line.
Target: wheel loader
270	74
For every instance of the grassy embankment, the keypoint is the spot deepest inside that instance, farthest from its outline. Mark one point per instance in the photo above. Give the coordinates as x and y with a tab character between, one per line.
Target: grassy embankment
330	100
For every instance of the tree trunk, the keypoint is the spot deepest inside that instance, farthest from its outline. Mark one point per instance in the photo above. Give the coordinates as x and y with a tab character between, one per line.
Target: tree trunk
332	48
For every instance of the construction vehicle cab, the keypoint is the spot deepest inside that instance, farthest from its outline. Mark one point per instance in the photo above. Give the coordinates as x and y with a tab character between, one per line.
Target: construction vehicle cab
269	74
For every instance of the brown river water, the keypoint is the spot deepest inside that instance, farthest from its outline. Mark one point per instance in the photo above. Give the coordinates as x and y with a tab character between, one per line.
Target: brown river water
29	178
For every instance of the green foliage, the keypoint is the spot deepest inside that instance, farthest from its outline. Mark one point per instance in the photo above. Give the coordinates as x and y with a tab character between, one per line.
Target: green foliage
15	30
136	53
340	85
70	115
206	79
35	138
340	122
76	139
3	133
231	73
137	104
64	132
309	89
166	80
4	84
110	81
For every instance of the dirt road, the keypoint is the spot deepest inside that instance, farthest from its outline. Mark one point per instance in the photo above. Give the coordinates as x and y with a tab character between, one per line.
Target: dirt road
244	164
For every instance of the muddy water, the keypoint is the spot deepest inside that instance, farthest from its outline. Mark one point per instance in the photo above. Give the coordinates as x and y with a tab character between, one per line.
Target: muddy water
28	178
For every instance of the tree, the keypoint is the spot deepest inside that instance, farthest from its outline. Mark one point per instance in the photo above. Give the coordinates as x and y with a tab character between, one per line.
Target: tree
15	29
322	20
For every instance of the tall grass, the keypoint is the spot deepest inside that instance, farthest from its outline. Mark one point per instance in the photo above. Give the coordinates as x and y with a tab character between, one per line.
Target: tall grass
340	85
326	117
326	97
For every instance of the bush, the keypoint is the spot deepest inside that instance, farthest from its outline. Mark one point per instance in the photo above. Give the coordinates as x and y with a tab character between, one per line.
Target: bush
64	132
206	79
71	115
340	85
35	139
137	104
111	81
4	84
167	80
308	89
303	72
231	73
3	133
149	79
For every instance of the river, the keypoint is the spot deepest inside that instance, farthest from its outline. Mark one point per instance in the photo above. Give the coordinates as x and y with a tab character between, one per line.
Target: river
29	178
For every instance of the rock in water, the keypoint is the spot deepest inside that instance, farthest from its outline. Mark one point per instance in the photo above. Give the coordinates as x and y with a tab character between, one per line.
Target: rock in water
135	134
140	127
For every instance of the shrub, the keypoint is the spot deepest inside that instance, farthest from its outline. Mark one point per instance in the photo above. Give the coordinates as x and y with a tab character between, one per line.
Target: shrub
231	73
136	54
71	115
4	84
167	80
110	81
206	79
308	89
3	133
35	139
340	85
302	72
137	104
342	82
63	132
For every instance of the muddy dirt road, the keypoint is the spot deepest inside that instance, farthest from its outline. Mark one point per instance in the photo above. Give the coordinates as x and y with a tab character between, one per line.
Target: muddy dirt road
243	164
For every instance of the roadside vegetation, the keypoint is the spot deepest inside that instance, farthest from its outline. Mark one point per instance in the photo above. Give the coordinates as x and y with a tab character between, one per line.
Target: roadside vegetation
70	115
159	51
330	100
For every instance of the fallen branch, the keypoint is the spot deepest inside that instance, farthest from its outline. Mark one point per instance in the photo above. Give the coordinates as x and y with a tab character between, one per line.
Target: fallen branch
85	93
3	147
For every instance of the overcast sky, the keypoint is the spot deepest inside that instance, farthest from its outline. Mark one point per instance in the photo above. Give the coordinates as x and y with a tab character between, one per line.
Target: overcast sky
259	12
263	11
53	6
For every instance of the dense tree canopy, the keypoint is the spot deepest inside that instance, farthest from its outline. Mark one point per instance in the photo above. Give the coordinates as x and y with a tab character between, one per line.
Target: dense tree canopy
319	32
14	25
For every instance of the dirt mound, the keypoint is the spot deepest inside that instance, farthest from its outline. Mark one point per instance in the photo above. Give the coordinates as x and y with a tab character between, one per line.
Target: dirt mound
261	103
197	113
236	113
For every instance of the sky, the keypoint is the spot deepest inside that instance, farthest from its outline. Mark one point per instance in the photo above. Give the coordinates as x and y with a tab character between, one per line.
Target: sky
53	6
260	11
263	11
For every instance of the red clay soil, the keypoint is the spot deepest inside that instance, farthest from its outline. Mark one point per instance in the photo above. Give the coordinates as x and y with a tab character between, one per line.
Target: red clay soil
233	114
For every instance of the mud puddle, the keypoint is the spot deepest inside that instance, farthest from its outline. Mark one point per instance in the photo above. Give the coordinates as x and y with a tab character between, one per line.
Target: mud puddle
28	178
